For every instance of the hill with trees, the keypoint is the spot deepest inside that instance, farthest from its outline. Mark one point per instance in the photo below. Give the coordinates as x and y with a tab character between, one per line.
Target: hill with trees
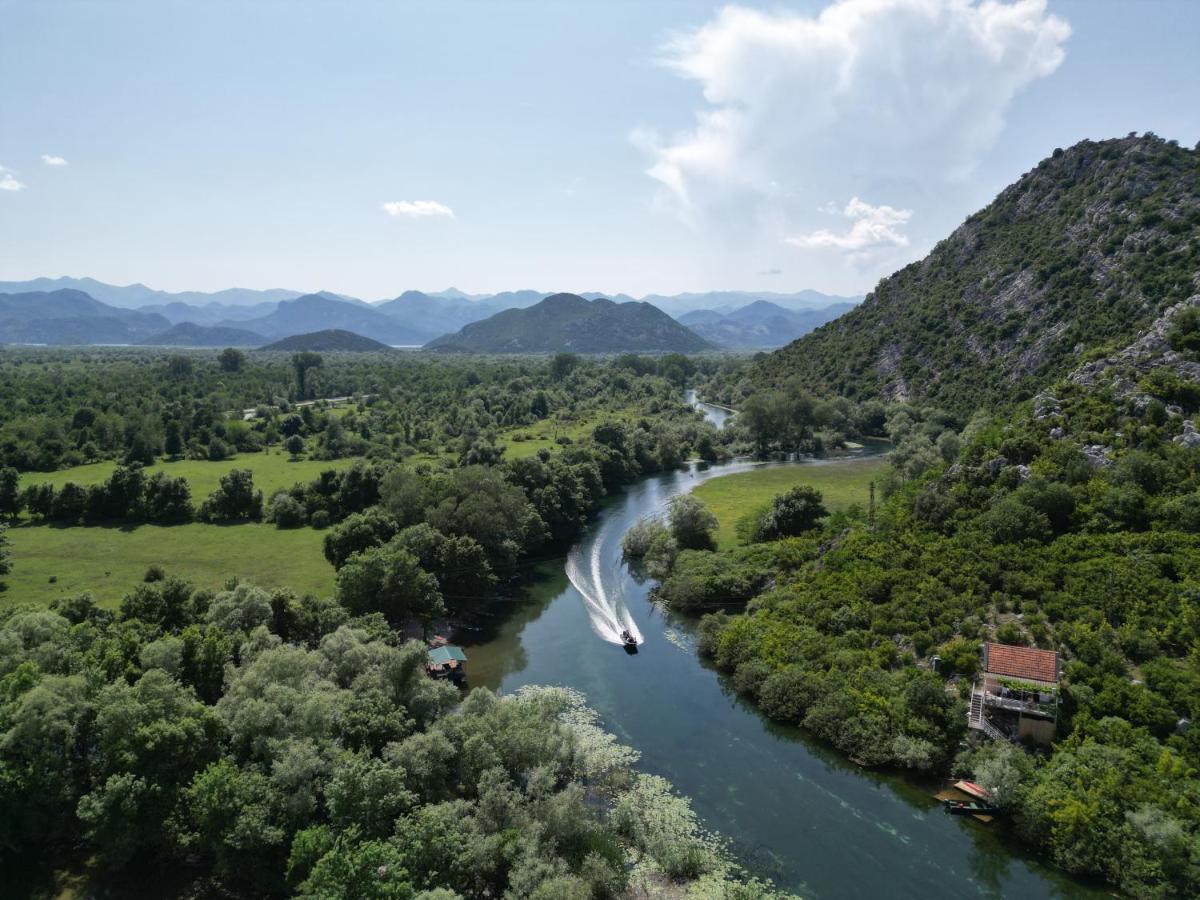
330	340
1075	258
189	334
568	322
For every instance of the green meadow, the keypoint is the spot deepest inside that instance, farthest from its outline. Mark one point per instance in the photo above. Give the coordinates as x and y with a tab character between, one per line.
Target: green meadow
273	469
110	561
842	484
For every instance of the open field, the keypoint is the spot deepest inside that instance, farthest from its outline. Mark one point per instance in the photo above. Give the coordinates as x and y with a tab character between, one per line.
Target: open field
841	483
272	470
109	562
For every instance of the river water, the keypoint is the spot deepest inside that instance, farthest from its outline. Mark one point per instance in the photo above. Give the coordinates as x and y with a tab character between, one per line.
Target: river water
795	811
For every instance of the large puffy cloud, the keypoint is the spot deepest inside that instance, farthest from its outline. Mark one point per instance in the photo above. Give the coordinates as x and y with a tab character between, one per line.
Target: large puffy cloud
873	226
867	93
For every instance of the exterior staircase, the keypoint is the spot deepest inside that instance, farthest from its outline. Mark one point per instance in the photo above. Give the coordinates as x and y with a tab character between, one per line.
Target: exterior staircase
977	720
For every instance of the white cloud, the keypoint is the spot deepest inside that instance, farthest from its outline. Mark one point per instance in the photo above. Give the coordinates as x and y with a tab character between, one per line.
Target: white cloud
873	226
867	92
50	159
417	209
8	181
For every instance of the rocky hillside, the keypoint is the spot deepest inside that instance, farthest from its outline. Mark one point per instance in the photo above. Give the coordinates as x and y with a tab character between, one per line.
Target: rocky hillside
71	317
568	322
1071	262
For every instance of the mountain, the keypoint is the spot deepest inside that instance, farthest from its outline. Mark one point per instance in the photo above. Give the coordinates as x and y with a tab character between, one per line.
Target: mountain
760	325
1074	259
434	315
189	334
329	341
323	312
71	317
211	313
679	304
570	322
133	296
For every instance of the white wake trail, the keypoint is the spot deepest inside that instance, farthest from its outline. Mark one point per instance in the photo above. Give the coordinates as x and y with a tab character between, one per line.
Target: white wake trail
608	617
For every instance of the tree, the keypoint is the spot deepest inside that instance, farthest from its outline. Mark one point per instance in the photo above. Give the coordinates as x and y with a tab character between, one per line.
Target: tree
389	580
562	365
173	440
167	499
231	360
5	556
303	363
357	533
791	513
295	445
10	492
236	498
692	523
180	366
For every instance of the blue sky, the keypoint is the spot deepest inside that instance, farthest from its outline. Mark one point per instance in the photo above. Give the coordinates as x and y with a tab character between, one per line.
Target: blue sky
616	146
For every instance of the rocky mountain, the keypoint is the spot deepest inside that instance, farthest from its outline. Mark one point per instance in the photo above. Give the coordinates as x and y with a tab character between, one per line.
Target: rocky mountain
71	317
433	315
759	325
189	334
568	322
1073	260
329	341
324	312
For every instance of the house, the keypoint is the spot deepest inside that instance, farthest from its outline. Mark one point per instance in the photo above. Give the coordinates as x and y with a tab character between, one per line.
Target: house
1016	696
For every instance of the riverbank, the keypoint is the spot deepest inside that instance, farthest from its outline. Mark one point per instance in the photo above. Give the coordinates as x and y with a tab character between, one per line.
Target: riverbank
799	812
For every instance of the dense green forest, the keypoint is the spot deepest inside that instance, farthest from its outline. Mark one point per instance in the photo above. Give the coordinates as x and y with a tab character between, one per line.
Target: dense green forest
267	743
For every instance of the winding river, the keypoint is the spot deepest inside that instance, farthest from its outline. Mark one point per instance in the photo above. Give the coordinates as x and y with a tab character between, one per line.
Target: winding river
795	811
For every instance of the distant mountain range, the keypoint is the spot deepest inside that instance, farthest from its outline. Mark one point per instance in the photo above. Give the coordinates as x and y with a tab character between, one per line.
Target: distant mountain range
574	323
329	341
243	317
135	296
759	325
322	312
72	317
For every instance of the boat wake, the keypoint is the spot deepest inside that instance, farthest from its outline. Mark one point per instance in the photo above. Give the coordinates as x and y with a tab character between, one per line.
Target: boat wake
609	615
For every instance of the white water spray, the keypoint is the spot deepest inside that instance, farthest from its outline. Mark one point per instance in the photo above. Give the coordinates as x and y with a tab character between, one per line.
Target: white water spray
609	616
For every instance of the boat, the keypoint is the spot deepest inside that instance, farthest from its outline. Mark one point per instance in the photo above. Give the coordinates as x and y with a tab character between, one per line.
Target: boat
969	808
629	641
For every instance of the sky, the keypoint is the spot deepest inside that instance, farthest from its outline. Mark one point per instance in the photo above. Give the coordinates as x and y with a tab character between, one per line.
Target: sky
619	146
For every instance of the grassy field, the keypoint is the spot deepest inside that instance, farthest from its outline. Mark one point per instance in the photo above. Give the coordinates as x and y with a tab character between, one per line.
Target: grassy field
732	496
109	562
272	470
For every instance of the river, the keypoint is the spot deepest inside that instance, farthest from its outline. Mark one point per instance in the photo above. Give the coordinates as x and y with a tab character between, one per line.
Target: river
795	811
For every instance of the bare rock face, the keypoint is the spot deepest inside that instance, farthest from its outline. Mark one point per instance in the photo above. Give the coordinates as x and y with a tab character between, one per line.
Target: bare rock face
1098	456
1190	437
1151	350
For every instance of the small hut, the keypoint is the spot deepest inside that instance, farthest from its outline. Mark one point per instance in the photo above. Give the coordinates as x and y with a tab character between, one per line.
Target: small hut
446	662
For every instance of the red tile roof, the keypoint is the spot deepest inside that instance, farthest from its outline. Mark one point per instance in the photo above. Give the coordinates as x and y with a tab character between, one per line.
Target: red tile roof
1020	662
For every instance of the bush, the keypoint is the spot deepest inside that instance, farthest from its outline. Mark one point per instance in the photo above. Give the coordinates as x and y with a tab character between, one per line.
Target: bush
285	511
